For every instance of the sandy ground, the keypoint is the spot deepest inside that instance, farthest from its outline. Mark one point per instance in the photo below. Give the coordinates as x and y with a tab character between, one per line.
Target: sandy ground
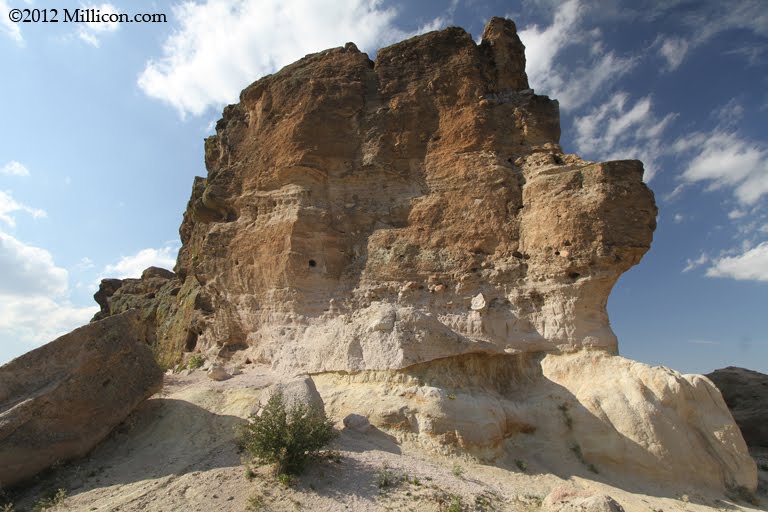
177	452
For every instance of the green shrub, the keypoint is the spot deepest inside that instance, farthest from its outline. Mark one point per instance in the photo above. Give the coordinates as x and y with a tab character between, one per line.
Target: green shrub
51	500
286	437
196	361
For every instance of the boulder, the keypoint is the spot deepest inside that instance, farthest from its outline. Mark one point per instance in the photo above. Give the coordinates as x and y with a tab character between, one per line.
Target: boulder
58	401
567	499
651	422
746	394
357	422
218	372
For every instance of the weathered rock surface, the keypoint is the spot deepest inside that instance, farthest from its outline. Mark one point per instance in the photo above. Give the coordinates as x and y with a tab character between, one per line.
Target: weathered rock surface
612	414
746	394
409	232
362	215
58	401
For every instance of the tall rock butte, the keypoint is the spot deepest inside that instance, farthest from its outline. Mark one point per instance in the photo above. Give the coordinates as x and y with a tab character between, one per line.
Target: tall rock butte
362	215
409	232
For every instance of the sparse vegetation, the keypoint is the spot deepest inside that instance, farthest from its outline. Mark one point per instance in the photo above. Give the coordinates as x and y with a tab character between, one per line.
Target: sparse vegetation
483	503
249	473
285	479
51	500
451	396
563	407
255	503
521	464
576	449
450	503
8	507
286	436
458	471
386	478
196	361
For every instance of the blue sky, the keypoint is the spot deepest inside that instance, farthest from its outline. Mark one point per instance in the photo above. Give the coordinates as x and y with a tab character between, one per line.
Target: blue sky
103	125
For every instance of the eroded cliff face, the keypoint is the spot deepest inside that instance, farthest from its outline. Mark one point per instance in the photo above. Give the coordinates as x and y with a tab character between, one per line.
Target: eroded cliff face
362	215
409	232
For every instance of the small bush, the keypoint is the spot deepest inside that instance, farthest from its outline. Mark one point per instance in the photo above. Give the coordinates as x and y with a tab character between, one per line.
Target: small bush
386	478
196	361
49	501
286	437
576	449
458	471
521	465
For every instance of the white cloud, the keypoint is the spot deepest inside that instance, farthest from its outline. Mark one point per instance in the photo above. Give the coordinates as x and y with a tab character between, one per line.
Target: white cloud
736	214
8	27
29	270
573	84
34	307
257	37
751	265
85	263
678	218
9	205
618	130
134	265
692	264
38	320
673	49
14	168
91	32
726	160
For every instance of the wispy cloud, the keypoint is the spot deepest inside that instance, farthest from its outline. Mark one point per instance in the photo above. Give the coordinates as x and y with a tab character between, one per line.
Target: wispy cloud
703	342
705	20
14	168
619	129
9	206
92	32
690	264
574	85
673	49
8	27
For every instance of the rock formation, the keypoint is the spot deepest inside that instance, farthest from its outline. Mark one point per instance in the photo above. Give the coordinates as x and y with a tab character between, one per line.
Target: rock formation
58	401
746	394
409	232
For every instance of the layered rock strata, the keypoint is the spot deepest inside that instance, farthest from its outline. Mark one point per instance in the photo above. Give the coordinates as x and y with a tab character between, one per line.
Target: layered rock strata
362	215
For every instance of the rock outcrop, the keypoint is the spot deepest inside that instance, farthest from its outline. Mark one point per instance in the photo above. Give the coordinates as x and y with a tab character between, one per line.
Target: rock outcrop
58	401
746	394
410	233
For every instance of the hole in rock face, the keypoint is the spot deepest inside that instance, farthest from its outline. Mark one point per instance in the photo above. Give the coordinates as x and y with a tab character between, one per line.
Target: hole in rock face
574	275
191	341
312	263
